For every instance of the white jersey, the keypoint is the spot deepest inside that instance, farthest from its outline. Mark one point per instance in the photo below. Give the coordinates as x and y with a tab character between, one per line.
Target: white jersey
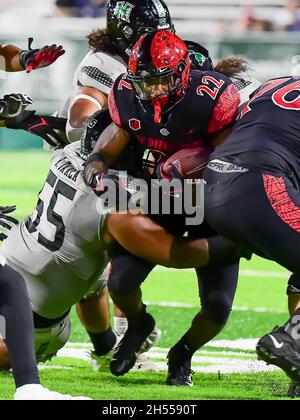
58	248
97	70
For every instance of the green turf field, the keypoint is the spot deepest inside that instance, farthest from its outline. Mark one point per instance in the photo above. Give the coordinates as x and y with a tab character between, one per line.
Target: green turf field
227	368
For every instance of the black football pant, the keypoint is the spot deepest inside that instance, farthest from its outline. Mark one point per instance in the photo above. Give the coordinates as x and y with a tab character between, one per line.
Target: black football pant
217	284
260	211
16	324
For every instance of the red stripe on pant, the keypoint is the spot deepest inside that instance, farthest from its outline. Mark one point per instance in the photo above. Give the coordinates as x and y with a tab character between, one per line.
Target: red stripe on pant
281	202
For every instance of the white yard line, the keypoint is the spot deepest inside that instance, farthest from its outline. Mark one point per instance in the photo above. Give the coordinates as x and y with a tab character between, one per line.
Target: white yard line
245	273
190	305
210	361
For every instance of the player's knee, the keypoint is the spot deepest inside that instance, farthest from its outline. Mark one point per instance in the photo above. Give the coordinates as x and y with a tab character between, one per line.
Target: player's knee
127	273
217	308
121	281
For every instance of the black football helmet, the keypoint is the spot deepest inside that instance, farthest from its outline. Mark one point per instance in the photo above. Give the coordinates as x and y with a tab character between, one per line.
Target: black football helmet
127	21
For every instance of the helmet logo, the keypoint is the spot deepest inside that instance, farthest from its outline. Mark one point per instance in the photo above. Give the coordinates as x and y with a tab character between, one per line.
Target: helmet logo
164	132
123	10
198	56
135	124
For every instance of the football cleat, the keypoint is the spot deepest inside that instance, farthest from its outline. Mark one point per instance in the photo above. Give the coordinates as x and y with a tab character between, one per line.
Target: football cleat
294	390
144	364
179	373
38	392
126	353
152	339
100	363
280	349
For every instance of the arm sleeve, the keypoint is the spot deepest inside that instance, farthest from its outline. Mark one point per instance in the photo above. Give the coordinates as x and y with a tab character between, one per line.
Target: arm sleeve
225	111
112	104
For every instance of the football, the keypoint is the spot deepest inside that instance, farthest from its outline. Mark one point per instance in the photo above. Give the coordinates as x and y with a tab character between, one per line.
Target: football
189	163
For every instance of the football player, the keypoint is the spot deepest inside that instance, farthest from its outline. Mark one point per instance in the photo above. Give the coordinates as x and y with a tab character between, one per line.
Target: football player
93	79
107	59
62	250
14	304
253	198
167	107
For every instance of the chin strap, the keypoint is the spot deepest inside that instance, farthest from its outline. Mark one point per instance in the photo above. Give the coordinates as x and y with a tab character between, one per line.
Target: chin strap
157	111
158	104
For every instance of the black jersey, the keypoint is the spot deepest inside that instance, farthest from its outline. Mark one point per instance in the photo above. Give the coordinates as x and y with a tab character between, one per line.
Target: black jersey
210	105
266	136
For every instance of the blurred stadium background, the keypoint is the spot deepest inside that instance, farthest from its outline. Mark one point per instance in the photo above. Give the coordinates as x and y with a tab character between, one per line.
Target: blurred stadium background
264	31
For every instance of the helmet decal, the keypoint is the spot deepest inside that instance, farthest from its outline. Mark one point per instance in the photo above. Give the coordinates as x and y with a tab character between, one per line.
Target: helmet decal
160	9
167	50
123	10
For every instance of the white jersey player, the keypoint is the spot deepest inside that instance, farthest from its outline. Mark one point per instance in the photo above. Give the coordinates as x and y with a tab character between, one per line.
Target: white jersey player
58	251
95	75
62	248
92	82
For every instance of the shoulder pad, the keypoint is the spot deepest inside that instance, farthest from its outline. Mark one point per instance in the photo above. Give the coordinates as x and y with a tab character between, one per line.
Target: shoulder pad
246	86
99	70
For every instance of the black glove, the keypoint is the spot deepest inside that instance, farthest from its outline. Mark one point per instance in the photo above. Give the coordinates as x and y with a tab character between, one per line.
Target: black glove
13	105
41	126
6	222
40	57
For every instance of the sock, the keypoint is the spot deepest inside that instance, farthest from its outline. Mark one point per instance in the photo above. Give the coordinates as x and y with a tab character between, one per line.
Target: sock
16	310
292	327
181	352
142	322
103	342
121	325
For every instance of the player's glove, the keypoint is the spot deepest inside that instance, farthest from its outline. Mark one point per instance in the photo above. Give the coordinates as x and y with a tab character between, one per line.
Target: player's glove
41	126
95	169
13	105
35	59
97	183
6	222
114	186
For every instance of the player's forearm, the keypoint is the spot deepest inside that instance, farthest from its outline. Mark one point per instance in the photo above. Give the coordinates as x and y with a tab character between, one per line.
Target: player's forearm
11	58
110	146
142	237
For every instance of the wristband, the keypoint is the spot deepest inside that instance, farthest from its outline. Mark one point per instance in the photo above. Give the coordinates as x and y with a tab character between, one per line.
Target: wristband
95	157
